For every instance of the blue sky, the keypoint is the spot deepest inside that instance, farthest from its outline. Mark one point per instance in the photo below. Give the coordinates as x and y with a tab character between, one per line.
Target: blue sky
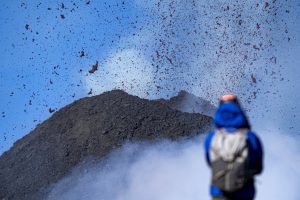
151	49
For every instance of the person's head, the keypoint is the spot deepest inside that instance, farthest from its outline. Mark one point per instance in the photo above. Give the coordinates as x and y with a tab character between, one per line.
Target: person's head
229	114
228	98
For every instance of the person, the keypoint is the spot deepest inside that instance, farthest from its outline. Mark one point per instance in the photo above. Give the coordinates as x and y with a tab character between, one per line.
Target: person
233	152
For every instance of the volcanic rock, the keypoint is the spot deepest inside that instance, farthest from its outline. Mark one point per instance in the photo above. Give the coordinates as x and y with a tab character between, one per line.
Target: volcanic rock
90	127
187	102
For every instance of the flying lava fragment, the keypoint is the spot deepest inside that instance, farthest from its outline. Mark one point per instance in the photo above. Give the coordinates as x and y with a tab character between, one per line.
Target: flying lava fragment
94	68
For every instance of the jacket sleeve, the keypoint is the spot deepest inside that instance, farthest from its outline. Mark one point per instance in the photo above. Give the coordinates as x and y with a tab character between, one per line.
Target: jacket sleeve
207	143
255	153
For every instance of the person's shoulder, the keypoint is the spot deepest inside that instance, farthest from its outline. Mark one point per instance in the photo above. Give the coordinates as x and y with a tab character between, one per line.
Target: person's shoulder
251	135
210	135
253	138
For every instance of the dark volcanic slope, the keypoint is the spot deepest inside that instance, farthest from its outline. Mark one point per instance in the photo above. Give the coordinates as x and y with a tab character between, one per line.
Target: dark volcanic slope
88	127
186	102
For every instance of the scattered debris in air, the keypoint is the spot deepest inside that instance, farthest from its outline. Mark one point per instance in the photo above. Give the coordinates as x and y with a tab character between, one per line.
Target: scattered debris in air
90	92
257	26
94	68
51	110
82	54
266	4
253	78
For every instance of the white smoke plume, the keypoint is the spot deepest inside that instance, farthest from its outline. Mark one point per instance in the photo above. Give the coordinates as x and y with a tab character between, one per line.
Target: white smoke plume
167	170
176	171
281	175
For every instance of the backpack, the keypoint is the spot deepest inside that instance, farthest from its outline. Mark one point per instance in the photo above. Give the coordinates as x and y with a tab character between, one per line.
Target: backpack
229	156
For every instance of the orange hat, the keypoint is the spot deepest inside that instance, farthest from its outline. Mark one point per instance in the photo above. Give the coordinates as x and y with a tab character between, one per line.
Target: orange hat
228	98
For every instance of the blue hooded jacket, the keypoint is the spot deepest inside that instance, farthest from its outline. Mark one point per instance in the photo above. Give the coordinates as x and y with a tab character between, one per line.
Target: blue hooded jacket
230	116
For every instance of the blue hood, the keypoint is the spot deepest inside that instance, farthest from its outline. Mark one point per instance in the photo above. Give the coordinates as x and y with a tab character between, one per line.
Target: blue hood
230	116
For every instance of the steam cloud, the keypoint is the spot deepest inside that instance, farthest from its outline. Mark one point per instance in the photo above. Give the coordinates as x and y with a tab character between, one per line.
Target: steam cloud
176	171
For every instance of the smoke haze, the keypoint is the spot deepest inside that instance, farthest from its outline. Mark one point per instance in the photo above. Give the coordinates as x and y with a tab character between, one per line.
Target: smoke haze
176	171
162	171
